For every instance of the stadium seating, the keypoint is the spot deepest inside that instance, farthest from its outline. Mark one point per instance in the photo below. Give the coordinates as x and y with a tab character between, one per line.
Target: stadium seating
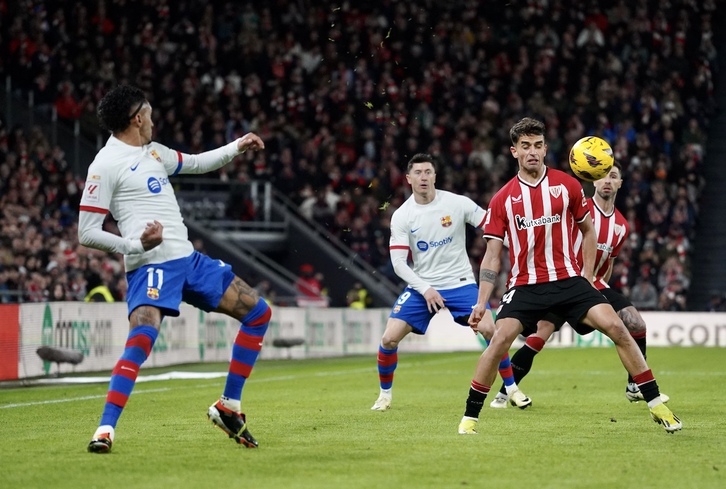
344	96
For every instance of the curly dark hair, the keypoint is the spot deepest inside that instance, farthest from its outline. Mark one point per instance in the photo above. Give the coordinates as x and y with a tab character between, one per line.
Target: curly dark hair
526	127
118	106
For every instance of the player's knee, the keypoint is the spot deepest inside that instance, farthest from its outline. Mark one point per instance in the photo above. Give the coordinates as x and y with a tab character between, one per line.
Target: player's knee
389	342
615	329
504	336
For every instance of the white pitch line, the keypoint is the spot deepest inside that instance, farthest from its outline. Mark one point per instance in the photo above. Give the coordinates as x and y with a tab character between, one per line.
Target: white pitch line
73	399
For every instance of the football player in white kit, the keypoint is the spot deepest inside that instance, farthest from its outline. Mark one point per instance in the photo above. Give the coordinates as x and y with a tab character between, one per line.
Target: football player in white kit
130	179
430	226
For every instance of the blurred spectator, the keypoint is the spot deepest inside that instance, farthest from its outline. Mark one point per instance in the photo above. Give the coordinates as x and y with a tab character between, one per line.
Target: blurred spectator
264	288
311	291
97	290
673	297
644	295
57	292
357	297
716	301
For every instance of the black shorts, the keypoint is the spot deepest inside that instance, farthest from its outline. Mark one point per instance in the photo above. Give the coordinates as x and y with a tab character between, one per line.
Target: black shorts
616	299
559	301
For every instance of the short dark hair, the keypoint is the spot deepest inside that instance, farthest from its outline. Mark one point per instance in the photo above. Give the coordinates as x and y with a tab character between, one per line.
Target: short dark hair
118	106
616	164
526	127
421	158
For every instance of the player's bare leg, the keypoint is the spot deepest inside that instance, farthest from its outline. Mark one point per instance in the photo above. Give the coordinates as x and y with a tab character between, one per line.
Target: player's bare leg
604	318
505	333
510	388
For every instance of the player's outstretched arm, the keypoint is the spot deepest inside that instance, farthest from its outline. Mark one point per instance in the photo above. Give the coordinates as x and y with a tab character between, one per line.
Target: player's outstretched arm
216	158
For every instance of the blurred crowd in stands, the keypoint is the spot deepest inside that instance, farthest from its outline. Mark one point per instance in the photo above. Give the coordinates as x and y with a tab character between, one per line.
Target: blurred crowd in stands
344	93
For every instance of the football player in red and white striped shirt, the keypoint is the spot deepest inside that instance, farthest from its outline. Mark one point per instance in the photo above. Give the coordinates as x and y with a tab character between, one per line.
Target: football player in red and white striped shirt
611	229
535	210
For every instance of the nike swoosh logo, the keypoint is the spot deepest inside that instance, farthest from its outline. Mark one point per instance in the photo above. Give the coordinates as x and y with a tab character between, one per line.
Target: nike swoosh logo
221	263
414	230
133	168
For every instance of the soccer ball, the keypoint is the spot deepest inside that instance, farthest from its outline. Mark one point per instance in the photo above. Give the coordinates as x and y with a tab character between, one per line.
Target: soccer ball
591	158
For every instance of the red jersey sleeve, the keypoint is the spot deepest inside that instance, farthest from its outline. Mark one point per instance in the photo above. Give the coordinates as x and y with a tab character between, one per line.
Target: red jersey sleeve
495	223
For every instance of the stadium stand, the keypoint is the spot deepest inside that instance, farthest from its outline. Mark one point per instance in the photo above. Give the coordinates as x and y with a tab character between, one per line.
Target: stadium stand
344	94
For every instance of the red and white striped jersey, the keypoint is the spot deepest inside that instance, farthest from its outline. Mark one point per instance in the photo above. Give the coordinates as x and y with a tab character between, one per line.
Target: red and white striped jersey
611	231
538	220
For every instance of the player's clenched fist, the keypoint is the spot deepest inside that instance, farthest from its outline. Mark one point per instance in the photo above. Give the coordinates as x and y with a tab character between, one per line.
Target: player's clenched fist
250	141
152	235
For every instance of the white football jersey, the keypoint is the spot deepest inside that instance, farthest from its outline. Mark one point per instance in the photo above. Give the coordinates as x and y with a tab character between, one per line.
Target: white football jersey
435	235
133	184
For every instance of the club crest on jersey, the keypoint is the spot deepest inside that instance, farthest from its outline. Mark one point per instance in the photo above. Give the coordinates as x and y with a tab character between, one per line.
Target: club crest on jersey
619	229
556	191
152	293
446	221
155	155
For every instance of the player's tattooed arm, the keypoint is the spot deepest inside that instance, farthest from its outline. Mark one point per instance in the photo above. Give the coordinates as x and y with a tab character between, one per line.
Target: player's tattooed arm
486	275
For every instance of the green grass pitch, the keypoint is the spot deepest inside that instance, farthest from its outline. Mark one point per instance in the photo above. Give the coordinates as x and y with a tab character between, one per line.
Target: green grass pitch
316	430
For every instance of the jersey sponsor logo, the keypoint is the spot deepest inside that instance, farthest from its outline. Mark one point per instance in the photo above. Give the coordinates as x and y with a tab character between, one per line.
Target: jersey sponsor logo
93	192
154	185
425	245
446	221
516	199
152	293
94	177
524	222
155	155
134	167
605	247
556	191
